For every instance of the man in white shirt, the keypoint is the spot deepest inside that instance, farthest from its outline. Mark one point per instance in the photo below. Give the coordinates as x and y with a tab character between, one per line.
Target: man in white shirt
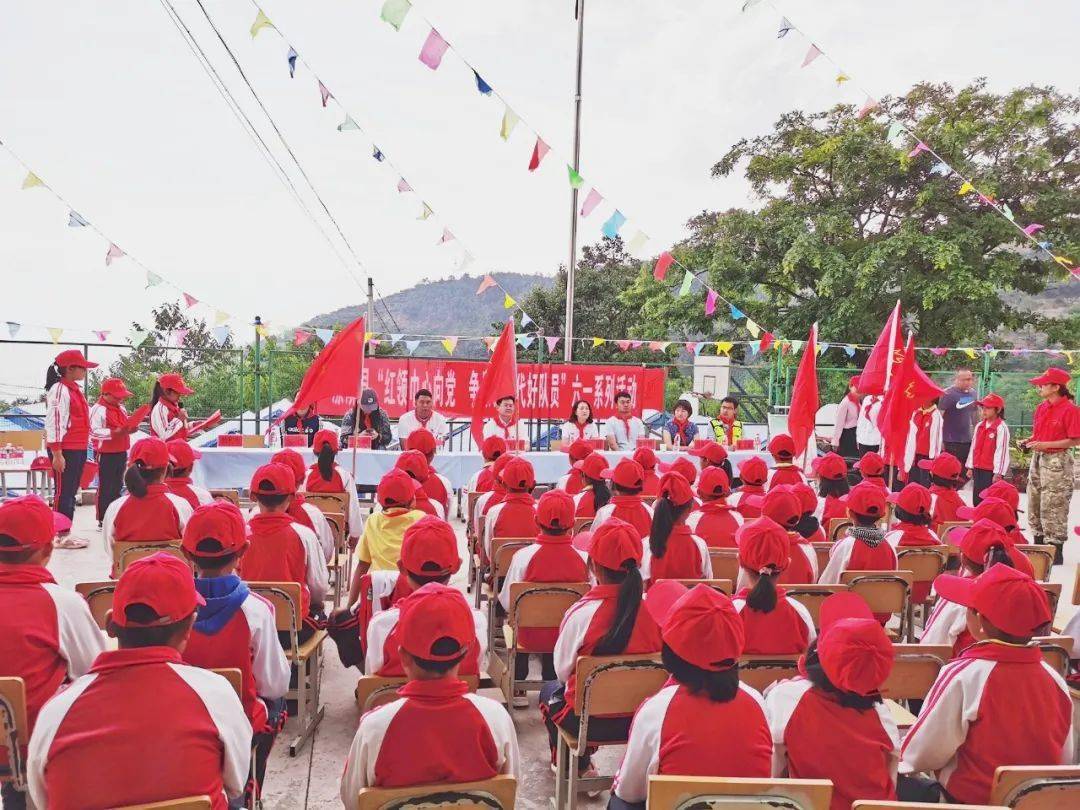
623	429
423	415
505	423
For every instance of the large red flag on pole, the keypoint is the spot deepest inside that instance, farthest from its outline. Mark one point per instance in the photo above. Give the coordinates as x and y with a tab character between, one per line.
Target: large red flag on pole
884	357
332	383
909	389
805	401
500	380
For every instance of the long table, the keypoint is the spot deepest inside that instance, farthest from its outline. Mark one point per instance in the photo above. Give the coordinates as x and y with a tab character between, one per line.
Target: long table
232	467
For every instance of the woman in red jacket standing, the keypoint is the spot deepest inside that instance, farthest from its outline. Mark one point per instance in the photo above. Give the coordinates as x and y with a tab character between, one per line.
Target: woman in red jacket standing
67	425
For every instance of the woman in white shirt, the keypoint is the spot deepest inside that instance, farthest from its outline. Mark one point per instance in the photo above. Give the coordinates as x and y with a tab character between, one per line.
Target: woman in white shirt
580	425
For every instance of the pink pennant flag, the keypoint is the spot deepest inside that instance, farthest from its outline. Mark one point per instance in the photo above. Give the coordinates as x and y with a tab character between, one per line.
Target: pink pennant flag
1033	228
710	302
539	151
691	345
938	352
591	201
662	264
300	337
986	200
374	344
114	253
551	342
403	186
434	48
324	93
446	236
811	55
920	147
1075	271
623	345
636	344
179	335
486	284
868	106
190	300
102	335
489	342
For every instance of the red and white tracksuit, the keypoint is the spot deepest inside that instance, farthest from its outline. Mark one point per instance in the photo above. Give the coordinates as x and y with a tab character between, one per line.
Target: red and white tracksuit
282	550
685	557
850	553
786	630
803	567
715	522
166	422
340	481
629	508
104	419
67	417
924	437
382	650
158	515
438	489
550	559
739	498
515	516
196	496
309	516
943	505
990	447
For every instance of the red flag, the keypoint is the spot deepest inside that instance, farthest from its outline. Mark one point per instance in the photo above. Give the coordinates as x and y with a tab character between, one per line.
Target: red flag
887	353
333	380
662	265
805	401
539	151
908	389
500	380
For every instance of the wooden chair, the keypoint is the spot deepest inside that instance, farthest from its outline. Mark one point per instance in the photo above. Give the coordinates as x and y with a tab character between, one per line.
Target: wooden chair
306	657
373	691
1036	787
227	495
725	563
914	671
124	554
534	605
189	803
837	525
926	563
582	524
761	671
605	686
811	597
502	552
884	592
1053	594
685	792
14	730
540	490
497	792
946	529
1056	651
822	550
1041	559
232	675
335	502
723	585
99	596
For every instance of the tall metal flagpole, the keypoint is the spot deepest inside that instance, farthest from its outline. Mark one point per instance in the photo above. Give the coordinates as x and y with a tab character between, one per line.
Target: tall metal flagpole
571	268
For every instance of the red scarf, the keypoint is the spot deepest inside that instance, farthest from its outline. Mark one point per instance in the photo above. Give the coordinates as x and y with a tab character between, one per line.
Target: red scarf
682	428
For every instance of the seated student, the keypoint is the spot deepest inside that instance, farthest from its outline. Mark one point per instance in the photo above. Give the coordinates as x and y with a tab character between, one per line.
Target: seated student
681	465
572	483
1006	491
428	559
872	469
235	628
782	448
832	472
1072	630
515	515
775	624
325	475
182	458
608	620
982	545
713	454
148	511
1000	703
415	464
753	473
283	550
863	546
808	527
646	457
999	512
782	506
483	479
831	722
675	731
627	481
715	521
988	458
912	528
493	496
946	478
436	485
384	531
299	510
674	552
47	633
551	558
437	732
595	493
141	726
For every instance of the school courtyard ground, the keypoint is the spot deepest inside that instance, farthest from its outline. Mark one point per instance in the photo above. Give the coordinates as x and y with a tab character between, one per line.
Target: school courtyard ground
311	779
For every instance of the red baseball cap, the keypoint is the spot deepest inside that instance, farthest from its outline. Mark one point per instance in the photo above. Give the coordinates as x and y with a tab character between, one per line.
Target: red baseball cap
182	453
151	451
415	464
712	452
294	461
713	482
518	475
991	401
493	447
592	466
115	387
646	457
627	474
779	504
808	500
1005	491
871	464
174	382
422	440
830	466
675	488
614	544
430	548
782	445
853	648
993	509
1009	599
913	498
396	488
753	470
763	546
28	521
699	624
977	539
163	583
73	358
944	465
854	381
1052	376
323	438
273	479
221	521
577	449
865	498
436	613
681	465
555	511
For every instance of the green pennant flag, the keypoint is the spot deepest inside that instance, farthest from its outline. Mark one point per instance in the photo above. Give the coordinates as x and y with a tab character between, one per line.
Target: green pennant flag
394	11
576	180
687	280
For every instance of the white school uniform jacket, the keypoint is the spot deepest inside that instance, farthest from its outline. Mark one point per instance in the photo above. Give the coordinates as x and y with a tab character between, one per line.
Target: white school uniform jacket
523	569
517	430
162	423
380	627
880	558
866	429
990	447
113	522
935	441
478	510
947	625
570	432
625	433
436	425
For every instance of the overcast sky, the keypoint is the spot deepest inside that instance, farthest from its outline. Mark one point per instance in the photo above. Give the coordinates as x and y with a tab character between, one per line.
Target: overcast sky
107	103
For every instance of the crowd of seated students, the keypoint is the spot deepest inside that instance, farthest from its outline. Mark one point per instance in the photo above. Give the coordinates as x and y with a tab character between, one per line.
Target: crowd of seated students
175	729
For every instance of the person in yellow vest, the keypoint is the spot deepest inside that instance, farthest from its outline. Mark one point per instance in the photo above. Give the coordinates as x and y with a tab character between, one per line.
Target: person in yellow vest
726	424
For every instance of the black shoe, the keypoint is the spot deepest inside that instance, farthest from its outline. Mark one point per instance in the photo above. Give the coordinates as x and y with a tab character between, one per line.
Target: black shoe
1059	555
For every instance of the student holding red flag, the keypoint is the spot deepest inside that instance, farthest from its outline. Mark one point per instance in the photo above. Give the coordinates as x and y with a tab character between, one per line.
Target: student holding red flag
805	401
908	389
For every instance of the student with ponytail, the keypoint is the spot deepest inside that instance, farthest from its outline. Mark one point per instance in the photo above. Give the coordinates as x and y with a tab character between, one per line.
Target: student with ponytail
808	527
628	480
775	624
182	458
325	475
674	552
607	620
168	418
67	426
832	472
595	492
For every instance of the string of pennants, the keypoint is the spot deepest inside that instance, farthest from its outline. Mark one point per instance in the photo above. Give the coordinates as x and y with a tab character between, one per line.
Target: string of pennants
174	339
903	137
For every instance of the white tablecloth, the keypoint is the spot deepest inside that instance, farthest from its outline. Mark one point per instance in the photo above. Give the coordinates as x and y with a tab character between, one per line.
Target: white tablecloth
224	467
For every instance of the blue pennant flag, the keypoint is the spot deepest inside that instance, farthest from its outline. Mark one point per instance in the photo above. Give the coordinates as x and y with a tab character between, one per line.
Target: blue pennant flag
849	351
412	345
291	59
525	319
736	313
1046	245
395	339
378	155
481	85
75	220
325	335
525	341
611	227
942	169
753	347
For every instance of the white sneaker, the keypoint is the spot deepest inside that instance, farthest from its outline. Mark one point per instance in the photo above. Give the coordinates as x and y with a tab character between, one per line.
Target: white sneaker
70	541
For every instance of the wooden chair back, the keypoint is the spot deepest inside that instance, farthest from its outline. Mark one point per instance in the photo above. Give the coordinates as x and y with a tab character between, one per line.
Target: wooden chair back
1053	594
1041	559
99	597
231	495
811	597
1036	787
725	563
946	529
124	554
914	671
924	562
822	551
13	704
1076	587
582	524
540	490
497	792
723	585
615	685
542	604
684	792
188	803
232	675
336	521
884	591
1056	651
837	525
470	508
285	597
761	671
373	691
336	502
502	552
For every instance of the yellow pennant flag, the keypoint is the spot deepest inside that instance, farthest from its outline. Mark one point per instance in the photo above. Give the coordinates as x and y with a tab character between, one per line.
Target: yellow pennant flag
724	346
508	302
262	331
31	181
449	343
509	121
842	77
368	336
221	318
1069	357
261	22
55	333
971	353
598	342
1063	261
753	328
967	188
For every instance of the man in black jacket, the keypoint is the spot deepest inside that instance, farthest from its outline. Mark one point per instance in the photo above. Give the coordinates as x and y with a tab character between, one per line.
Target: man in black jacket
373	422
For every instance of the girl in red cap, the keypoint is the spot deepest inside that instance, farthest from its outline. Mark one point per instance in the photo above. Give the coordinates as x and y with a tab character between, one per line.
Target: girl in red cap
168	418
111	437
946	478
781	505
715	521
182	458
988	458
832	473
325	475
627	481
832	723
775	624
595	492
67	428
753	472
808	527
674	552
646	457
864	548
847	417
572	483
675	730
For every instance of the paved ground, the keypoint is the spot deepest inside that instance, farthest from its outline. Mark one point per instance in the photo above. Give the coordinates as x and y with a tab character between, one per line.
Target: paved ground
311	779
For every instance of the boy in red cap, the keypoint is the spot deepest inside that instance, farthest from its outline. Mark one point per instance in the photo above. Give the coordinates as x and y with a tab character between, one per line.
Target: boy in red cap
782	506
674	731
872	469
493	496
775	624
946	478
111	438
168	418
864	547
483	479
141	726
674	552
515	515
753	472
182	458
785	472
326	475
235	628
832	473
715	521
595	492
47	633
299	510
428	555
436	732
924	441
416	465
832	723
999	703
627	481
572	483
436	485
646	457
988	460
384	531
283	550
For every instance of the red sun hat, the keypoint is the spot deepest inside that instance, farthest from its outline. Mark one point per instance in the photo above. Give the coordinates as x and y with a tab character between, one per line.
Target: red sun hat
854	651
865	498
115	387
675	488
991	401
28	521
493	447
1009	599
763	545
779	504
182	453
273	479
944	465
713	483
324	438
577	449
518	475
294	461
415	464
830	467
646	457
151	451
614	544
681	465
431	614
555	511
163	583
699	624
422	440
976	540
73	358
1005	491
782	445
808	500
913	498
627	474
712	452
1052	376
396	488
871	464
754	471
430	548
592	466
174	382
221	521
993	509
